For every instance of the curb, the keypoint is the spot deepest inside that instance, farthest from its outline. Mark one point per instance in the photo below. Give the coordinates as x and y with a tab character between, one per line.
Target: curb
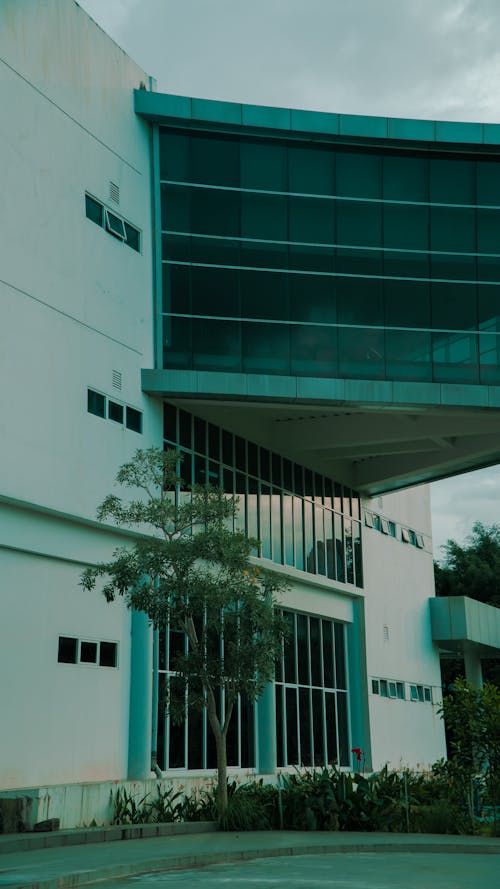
82	878
28	842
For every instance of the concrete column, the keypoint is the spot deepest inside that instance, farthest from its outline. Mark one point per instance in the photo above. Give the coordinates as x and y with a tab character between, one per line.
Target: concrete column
358	684
473	669
140	714
266	721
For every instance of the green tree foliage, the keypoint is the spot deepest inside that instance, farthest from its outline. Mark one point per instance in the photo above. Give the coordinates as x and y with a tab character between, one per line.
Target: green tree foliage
472	569
189	570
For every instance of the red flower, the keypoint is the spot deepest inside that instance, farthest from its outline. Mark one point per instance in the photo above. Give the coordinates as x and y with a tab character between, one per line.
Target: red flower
358	752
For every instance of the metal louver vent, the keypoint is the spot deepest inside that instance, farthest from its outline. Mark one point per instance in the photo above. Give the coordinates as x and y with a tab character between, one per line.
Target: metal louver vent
386	633
114	192
117	379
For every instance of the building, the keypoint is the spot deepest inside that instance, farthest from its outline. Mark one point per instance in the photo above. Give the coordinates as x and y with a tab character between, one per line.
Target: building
307	306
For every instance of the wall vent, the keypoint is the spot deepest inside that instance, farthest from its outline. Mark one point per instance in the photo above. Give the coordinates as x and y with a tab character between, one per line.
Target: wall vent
117	380
114	192
386	633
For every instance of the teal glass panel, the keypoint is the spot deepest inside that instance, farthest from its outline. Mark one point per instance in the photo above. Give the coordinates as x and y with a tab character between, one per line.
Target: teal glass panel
349	555
216	345
358	262
292	727
455	358
454	306
176	247
361	354
319	532
331	729
452	181
311	170
359	224
263	166
310	257
314	351
215	212
454	268
488	231
215	160
177	350
312	220
93	210
406	265
339	548
406	226
215	251
358	561
276	525
329	544
288	529
312	298
488	268
303	650
318	727
360	301
328	671
174	156
265	521
407	304
280	735
453	229
176	289
309	537
298	533
176	208
343	723
305	726
214	291
488	183
264	255
489	340
408	355
405	178
266	348
264	216
359	174
264	295
316	653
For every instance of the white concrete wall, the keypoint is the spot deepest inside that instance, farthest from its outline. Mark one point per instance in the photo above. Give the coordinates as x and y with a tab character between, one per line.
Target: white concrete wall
75	304
399	581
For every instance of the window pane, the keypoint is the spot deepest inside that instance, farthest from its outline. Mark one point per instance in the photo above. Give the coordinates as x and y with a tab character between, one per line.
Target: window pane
305	726
331	729
67	650
327	627
263	166
133	419
115	411
303	649
343	729
314	628
88	652
340	664
174	156
96	403
280	756
107	654
292	727
317	709
93	210
359	175
215	160
311	170
289	649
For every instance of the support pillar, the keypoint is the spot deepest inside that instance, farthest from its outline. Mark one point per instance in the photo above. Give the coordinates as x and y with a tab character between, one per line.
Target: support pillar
266	721
358	685
473	669
140	713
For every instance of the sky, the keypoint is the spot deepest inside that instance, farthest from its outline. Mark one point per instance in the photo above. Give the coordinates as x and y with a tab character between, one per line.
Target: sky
437	59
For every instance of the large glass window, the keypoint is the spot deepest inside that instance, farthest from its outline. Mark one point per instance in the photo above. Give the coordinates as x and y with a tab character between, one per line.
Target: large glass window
311	694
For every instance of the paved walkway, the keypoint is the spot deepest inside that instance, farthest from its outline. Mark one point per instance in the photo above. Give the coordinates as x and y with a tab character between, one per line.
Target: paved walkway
68	867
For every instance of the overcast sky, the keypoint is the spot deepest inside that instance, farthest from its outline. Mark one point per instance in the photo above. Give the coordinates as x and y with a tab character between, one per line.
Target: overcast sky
402	58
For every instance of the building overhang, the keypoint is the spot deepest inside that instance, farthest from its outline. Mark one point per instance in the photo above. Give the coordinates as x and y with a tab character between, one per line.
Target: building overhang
460	624
377	436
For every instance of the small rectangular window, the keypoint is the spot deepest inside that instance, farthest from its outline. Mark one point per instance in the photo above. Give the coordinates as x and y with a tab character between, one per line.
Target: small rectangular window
383	688
96	403
93	210
134	420
428	695
413	537
392	689
68	650
384	526
413	693
115	411
114	225
400	690
88	652
108	654
376	521
132	237
420	693
405	535
368	520
375	687
392	529
419	541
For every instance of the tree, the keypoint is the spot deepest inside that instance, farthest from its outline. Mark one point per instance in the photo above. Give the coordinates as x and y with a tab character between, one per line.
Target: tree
473	569
188	570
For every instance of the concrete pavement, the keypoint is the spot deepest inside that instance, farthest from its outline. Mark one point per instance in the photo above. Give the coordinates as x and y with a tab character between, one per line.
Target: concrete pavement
71	866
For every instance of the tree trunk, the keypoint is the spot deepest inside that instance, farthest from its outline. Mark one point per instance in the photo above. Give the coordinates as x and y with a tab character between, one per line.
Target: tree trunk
220	744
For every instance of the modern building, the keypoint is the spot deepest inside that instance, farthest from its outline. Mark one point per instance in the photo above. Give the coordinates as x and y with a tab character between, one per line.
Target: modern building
307	306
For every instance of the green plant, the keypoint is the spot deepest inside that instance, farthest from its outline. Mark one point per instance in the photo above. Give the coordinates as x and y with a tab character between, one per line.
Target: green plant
129	810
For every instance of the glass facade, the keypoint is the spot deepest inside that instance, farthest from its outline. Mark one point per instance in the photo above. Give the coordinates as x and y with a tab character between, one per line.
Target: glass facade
301	518
312	720
324	259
